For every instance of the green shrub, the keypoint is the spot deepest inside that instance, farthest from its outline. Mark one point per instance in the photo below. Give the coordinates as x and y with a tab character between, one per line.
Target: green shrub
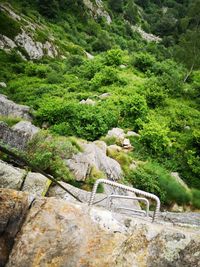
9	26
143	61
196	198
133	108
38	70
113	57
85	121
155	137
106	76
48	153
154	93
153	178
9	120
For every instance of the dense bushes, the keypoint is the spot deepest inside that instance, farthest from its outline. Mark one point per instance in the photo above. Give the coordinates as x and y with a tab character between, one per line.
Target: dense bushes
153	178
85	121
47	153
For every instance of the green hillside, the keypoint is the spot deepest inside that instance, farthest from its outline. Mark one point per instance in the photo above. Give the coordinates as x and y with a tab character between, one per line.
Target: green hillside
153	86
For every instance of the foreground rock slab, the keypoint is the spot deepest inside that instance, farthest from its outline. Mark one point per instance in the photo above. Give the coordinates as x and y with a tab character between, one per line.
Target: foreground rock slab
13	208
60	233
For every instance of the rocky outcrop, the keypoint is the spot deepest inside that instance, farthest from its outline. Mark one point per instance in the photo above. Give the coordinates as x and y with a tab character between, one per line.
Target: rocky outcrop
13	208
35	50
60	233
81	164
26	38
10	108
19	135
149	37
11	177
97	9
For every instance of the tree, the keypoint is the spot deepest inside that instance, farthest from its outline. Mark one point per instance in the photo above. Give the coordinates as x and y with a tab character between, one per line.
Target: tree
48	8
116	5
188	48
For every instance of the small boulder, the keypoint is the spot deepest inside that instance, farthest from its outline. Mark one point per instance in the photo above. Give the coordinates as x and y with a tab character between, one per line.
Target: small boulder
105	95
11	177
116	132
2	84
127	144
88	102
131	133
36	184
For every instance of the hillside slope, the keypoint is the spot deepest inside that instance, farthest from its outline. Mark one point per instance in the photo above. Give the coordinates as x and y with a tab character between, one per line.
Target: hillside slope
84	67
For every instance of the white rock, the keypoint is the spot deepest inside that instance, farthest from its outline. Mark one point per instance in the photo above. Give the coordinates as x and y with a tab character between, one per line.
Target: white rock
34	49
97	9
89	56
2	84
122	66
6	43
88	102
105	95
149	37
102	145
116	132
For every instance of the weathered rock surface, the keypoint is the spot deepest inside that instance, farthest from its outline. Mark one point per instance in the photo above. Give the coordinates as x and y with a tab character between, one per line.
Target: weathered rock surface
82	163
97	10
84	196
13	208
9	108
11	177
59	233
19	135
36	184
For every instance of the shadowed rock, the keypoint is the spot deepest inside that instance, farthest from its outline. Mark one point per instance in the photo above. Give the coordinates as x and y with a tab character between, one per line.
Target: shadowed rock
13	208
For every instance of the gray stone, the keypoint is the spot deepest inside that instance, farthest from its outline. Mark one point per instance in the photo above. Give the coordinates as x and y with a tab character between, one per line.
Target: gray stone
19	135
89	56
82	163
131	133
2	84
9	108
88	102
11	177
6	43
97	9
36	184
102	145
116	132
105	95
127	144
60	233
122	66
